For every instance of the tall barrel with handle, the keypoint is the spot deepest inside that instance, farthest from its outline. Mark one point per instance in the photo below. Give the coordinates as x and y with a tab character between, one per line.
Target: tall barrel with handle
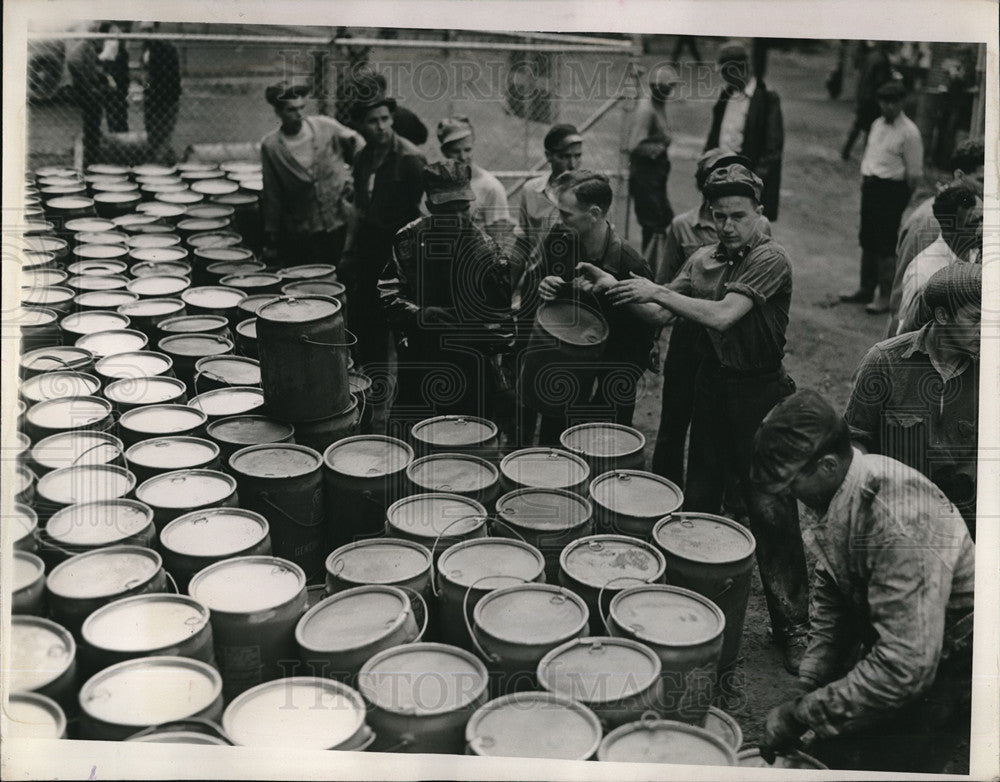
303	357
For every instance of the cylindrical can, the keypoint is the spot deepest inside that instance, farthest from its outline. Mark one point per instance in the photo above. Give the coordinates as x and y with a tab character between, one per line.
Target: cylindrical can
544	468
87	526
214	372
455	473
630	502
129	393
361	388
438	521
456	434
187	349
104	266
142	423
218	271
232	434
380	561
160	269
215	300
82	483
172	494
152	241
169	252
230	401
75	448
55	357
146	314
328	288
82	283
158	286
725	727
322	433
33	716
82	323
650	740
103	300
38	327
251	304
247	343
42	659
28	594
203	257
194	324
159	455
19	528
314	272
24	485
606	446
253	629
253	282
53	297
113	342
57	385
111	205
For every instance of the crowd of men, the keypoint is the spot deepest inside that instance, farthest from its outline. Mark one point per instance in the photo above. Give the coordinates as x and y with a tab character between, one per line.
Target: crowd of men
445	277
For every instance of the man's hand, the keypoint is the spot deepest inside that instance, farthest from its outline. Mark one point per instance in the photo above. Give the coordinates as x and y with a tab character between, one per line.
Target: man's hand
636	290
550	287
782	731
437	315
591	279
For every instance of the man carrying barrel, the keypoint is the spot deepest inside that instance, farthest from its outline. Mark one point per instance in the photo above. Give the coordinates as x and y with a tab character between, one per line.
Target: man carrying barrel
447	292
740	291
886	680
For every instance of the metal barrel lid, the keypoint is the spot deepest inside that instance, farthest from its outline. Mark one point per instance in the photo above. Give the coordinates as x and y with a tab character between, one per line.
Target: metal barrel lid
47	295
193	324
104	237
50	244
359	383
611	561
421	679
250	430
162	419
534	725
23	481
68	412
214	297
186	489
229	401
197	344
309	271
300	712
58	384
165	253
704	537
159	209
368	456
42	278
153	241
184	197
84	483
102	266
254	302
236	199
725	727
75	447
276	460
172	453
148	308
247	328
133	392
214	532
379	561
652	740
667	615
84	224
222	586
98	523
353	619
549	468
56	357
434	516
27	569
34	716
20	525
252	281
98	282
449	472
214	239
134	364
545	510
40	652
216	254
223	269
210	210
532	614
214	186
159	285
599	669
572	323
110	696
70	203
153	169
750	758
113	341
104	572
162	269
231	370
602	440
490	563
636	494
328	288
299	309
105	299
94	252
458	430
144	623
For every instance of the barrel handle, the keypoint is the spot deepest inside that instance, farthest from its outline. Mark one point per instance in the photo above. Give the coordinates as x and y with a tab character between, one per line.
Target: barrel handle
437	540
728	584
173	583
493	658
61	361
85	451
45	542
420	597
503	523
207	725
648	718
264	498
405	740
308	341
600	599
372	735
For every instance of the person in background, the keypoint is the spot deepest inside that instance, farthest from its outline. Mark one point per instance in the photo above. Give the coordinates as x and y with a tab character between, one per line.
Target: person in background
747	119
886	680
877	71
892	167
161	93
916	396
961	219
114	59
362	81
388	187
489	211
649	163
90	85
920	229
307	182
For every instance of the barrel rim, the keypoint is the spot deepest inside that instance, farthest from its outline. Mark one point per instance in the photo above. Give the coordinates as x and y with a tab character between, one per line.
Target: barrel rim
194	515
347	441
31	413
68	353
668	588
212	427
594	424
164	477
344	594
67	322
286	564
187	293
420	548
37	562
572	496
111	389
64	635
487	541
131	451
545	664
43	702
421	646
145	409
83	298
587	539
206	252
518	700
110	439
420	461
152	597
655	724
272	446
592	310
25	510
105	551
165	324
140	303
442	418
532	586
731	724
181	279
158	354
28	384
606	476
678	517
393	510
69	510
198	399
542	449
808	760
62	289
171	338
131	333
180	268
338	309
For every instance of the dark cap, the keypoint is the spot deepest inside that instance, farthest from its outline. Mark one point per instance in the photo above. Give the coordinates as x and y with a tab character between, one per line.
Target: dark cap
732	50
448	181
453	129
369	93
561	136
715	158
891	90
277	93
733	179
789	436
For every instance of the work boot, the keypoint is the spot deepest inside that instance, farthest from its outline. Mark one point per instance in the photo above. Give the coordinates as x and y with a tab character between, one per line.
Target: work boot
793	642
858	297
878	307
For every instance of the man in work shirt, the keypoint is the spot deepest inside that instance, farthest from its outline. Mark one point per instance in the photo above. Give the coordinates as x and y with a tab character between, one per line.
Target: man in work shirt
307	182
739	291
885	683
892	167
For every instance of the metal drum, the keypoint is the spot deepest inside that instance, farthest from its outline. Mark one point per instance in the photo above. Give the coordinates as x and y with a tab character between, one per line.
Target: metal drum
685	630
159	455
606	446
80	324
253	283
88	225
68	449
54	297
19	529
544	468
111	710
187	349
456	473
111	205
168	251
33	716
104	300
251	304
215	300
420	696
437	521
58	385
321	433
161	269
97	282
631	502
136	364
28	584
246	338
47	359
147	314
315	272
97	267
598	566
713	556
142	423
232	434
253	629
216	186
380	561
129	393
230	401
533	725
88	526
651	740
456	434
158	286
180	197
24	485
113	342
330	289
516	626
82	584
725	727
215	372
216	325
183	732
284	483
303	352
172	494
362	477
152	241
68	413
299	713
194	541
246	217
91	257
361	388
206	256
218	271
42	660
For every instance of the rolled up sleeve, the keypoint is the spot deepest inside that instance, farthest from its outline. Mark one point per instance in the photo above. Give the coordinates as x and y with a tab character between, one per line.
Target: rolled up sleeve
872	387
762	278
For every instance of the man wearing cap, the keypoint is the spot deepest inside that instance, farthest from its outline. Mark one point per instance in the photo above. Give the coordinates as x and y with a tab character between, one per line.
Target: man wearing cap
747	119
161	93
307	183
447	292
739	291
885	682
649	164
916	396
892	167
489	210
388	185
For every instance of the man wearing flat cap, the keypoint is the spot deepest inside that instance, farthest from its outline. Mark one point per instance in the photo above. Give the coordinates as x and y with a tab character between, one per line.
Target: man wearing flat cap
885	682
447	292
739	291
747	119
307	182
